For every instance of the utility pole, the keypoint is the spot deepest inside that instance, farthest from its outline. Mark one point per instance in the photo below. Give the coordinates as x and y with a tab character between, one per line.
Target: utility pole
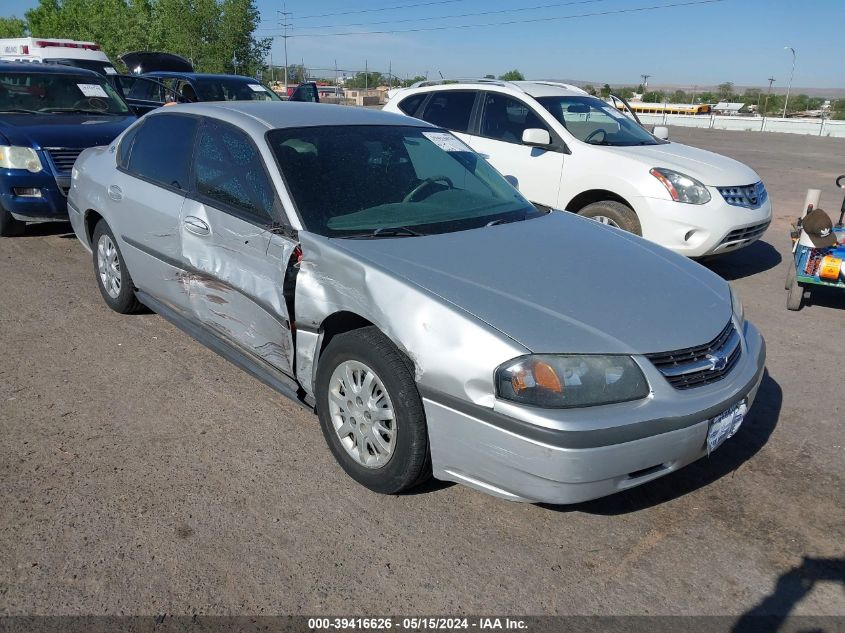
366	75
645	82
766	106
789	86
284	22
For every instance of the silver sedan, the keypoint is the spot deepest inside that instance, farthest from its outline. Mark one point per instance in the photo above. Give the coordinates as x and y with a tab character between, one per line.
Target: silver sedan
377	270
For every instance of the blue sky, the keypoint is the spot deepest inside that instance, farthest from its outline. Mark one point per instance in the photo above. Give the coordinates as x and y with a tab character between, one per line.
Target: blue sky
733	40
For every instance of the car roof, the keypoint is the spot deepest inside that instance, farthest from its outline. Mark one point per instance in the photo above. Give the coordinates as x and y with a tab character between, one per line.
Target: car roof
539	88
41	68
179	75
260	116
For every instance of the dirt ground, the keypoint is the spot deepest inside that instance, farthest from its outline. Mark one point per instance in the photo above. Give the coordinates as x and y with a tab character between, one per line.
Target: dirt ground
140	473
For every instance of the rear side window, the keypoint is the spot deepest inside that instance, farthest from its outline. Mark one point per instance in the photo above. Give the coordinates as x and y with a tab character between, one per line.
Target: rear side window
410	105
162	150
229	170
451	109
125	146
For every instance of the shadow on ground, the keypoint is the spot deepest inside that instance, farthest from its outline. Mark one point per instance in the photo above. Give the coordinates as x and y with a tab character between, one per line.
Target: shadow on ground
753	436
771	613
757	258
43	229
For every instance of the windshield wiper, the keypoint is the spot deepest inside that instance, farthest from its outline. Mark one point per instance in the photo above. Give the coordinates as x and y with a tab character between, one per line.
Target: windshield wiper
76	110
20	110
385	231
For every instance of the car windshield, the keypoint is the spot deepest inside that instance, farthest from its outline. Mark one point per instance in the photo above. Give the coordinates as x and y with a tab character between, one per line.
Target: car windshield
391	180
58	93
232	89
596	122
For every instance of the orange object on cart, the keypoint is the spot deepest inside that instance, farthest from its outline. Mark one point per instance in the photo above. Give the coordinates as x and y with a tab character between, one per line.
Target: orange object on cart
830	267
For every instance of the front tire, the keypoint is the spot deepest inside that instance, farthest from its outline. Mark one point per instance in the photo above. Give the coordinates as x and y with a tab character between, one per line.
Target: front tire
9	226
615	214
371	413
112	275
796	293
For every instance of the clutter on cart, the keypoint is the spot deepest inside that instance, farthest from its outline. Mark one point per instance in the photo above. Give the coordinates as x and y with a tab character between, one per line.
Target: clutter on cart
818	248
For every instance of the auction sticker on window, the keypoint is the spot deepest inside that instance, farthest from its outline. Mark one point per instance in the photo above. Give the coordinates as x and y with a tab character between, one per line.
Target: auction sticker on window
92	90
257	87
446	142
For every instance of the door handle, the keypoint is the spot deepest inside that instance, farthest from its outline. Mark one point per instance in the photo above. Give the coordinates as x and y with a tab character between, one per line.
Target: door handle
196	226
115	193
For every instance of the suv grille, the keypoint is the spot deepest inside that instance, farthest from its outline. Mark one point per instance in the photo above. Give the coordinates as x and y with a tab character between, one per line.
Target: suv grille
746	234
63	158
702	365
748	196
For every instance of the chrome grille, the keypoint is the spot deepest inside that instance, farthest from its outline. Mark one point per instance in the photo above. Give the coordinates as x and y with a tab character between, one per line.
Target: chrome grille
746	234
63	158
748	196
701	365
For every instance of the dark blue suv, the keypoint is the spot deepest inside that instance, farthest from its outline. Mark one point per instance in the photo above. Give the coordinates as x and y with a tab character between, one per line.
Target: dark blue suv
48	115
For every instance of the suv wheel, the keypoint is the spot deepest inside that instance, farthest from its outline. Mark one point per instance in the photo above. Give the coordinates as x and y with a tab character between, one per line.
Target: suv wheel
112	276
371	413
9	226
615	214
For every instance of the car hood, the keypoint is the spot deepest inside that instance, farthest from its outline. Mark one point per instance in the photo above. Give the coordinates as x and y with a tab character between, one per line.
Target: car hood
561	283
710	168
139	62
62	130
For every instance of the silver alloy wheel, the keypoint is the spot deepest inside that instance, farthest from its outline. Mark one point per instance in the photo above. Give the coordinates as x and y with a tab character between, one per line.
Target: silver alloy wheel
108	266
603	219
362	414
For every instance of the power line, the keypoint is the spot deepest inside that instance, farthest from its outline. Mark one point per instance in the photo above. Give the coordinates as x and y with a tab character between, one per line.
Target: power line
398	6
510	22
460	15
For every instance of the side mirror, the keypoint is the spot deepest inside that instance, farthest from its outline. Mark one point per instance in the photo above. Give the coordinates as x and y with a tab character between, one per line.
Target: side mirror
536	136
661	132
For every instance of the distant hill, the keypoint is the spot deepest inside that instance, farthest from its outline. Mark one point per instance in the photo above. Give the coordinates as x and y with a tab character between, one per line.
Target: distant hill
827	93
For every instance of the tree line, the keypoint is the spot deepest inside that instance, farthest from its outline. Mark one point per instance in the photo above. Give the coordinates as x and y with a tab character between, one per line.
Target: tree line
216	35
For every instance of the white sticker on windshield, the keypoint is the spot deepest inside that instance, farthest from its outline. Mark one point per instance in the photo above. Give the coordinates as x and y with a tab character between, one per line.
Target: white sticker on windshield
92	90
446	142
257	87
109	70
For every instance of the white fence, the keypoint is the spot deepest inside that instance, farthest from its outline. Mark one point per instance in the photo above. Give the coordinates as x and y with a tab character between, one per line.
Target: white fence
814	127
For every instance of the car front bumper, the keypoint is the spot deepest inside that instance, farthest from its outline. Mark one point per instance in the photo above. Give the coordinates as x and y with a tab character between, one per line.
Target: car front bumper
48	205
569	456
699	230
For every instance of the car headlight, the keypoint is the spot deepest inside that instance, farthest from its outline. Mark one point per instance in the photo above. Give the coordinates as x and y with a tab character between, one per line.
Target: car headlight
15	157
738	310
681	187
560	381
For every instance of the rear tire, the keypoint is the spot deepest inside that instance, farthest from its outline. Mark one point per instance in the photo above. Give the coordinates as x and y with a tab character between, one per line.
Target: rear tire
9	226
113	278
615	214
371	413
796	293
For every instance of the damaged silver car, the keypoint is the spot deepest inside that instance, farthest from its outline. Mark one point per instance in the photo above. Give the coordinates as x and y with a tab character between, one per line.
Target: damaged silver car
377	270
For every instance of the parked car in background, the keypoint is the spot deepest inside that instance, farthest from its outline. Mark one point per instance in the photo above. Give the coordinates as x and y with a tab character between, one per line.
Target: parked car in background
568	150
56	51
363	263
48	115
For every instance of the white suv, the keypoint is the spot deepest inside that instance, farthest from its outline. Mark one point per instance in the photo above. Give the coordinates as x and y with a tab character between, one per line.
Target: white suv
565	149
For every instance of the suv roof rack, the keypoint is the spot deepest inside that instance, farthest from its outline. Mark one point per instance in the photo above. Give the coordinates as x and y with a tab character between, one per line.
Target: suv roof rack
557	84
483	80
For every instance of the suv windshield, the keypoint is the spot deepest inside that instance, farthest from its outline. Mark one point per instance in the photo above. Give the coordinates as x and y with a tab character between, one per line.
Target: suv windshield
593	121
232	89
367	180
54	92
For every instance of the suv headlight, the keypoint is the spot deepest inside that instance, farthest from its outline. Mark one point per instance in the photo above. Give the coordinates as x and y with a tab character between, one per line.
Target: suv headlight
15	157
561	381
738	310
681	187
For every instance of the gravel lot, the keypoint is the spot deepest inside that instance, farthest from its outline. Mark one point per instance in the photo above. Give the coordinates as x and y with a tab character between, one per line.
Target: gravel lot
142	474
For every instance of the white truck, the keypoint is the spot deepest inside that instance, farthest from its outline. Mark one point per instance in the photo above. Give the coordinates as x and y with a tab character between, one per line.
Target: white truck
56	51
